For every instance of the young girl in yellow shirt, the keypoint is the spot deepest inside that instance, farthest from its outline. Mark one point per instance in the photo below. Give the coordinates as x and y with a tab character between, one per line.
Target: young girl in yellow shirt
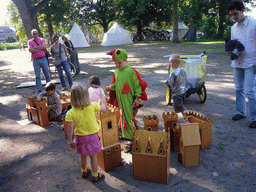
84	127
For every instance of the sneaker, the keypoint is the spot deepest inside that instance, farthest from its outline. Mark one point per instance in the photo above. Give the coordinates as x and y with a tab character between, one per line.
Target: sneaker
237	117
64	89
253	124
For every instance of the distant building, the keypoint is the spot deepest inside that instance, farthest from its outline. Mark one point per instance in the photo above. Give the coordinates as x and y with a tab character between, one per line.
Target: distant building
6	31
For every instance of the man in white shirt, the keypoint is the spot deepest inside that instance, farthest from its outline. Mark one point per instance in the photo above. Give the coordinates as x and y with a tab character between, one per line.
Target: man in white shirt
244	30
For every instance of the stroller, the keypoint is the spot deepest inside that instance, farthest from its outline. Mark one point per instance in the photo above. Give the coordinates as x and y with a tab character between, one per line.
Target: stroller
195	67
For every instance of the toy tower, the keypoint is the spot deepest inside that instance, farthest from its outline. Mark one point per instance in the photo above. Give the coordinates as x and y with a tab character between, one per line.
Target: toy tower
205	127
42	110
151	156
189	145
170	124
151	123
110	156
170	121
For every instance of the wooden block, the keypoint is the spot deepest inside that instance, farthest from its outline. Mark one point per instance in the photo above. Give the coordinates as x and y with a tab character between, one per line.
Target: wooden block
109	129
151	123
65	126
42	112
170	121
110	157
151	156
205	127
190	144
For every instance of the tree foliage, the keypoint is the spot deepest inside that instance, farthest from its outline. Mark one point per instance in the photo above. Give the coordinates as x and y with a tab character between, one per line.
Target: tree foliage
141	13
93	12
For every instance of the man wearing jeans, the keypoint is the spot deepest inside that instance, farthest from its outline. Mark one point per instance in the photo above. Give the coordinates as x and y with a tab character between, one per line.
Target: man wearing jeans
37	48
244	30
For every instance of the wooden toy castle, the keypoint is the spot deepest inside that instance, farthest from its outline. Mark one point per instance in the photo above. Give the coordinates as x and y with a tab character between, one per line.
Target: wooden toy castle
170	126
110	156
205	127
151	156
189	145
37	111
151	123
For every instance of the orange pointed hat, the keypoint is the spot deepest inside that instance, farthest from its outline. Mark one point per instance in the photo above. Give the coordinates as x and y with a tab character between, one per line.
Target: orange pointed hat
118	54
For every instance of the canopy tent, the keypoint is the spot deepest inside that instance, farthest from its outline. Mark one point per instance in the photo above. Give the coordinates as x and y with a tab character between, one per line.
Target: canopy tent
116	35
77	37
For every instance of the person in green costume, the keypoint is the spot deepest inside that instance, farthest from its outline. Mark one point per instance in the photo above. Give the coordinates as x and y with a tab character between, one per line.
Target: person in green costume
129	91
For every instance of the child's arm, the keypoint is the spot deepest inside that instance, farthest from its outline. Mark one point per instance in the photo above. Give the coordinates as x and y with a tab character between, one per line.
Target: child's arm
71	144
41	95
108	89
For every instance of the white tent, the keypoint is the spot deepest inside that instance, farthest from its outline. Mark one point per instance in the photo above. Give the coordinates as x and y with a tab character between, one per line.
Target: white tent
77	37
182	30
116	35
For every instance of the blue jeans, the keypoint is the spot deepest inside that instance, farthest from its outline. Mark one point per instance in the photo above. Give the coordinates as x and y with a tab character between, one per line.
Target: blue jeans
244	82
65	66
38	64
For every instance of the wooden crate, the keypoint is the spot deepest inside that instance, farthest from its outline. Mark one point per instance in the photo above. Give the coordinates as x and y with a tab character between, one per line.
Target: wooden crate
109	127
189	145
205	127
151	123
110	157
151	156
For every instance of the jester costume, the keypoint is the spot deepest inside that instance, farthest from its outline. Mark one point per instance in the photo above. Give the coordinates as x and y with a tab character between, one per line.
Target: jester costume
128	85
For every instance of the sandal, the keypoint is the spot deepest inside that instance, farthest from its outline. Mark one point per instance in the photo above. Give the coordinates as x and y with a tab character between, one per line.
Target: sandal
96	179
86	174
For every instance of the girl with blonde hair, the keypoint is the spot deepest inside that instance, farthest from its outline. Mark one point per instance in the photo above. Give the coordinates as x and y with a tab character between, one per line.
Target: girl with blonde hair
84	127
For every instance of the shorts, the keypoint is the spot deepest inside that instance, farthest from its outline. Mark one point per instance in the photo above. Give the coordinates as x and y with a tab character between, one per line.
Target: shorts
178	103
88	145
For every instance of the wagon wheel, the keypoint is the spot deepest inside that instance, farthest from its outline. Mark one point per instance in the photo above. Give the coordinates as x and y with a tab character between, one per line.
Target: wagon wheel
202	94
168	96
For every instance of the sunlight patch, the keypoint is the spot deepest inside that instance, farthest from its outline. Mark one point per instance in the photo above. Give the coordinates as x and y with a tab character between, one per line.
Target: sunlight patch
103	65
161	71
6	100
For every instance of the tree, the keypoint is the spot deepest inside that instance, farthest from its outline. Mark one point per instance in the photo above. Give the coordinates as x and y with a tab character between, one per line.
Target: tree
93	12
15	20
54	14
28	10
141	13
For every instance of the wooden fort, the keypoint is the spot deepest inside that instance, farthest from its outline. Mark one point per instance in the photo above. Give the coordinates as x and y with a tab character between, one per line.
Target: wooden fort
37	111
151	156
205	127
110	156
170	126
189	145
151	123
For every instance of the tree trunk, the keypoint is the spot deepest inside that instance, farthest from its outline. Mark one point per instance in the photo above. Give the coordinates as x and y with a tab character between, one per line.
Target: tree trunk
139	30
175	36
28	13
50	28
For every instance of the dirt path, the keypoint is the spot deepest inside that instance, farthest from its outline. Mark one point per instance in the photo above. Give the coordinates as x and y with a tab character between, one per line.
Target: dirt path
33	158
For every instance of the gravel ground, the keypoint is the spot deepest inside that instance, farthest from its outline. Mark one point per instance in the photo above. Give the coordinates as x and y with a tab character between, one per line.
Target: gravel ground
34	158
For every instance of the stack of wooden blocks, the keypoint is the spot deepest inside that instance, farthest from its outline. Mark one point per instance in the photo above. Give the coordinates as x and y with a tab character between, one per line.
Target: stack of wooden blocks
110	156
